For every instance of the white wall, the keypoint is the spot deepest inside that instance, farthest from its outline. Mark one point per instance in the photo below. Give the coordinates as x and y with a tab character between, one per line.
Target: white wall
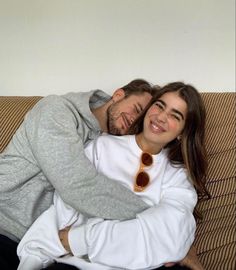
56	46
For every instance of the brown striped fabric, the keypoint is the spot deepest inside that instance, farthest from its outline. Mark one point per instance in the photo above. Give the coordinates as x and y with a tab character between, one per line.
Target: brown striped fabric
216	232
215	235
12	112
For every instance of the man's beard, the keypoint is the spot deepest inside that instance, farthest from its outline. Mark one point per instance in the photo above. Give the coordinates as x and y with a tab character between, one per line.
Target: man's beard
111	119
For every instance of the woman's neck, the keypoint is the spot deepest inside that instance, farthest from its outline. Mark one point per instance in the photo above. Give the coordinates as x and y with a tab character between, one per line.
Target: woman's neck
147	146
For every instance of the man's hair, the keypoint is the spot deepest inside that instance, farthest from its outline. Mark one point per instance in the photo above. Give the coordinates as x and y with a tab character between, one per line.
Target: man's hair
138	87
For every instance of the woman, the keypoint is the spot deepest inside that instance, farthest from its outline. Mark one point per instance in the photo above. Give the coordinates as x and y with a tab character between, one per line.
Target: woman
162	164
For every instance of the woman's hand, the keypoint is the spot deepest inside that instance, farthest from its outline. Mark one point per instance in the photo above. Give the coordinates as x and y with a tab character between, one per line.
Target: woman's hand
191	260
63	235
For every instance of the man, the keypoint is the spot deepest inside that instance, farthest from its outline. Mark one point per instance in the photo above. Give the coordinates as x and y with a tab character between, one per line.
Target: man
46	153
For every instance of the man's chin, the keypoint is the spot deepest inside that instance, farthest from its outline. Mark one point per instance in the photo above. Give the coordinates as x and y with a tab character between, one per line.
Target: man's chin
117	131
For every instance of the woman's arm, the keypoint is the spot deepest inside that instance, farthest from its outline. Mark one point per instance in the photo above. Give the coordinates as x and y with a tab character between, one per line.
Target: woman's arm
161	234
41	244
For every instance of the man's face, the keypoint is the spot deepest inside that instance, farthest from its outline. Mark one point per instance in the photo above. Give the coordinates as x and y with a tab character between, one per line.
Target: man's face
122	113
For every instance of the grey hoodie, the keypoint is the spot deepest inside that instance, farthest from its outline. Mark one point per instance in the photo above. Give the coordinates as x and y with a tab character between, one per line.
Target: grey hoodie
47	153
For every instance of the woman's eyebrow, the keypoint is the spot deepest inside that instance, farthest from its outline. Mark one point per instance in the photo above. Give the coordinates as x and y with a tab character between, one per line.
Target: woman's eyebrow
179	113
173	110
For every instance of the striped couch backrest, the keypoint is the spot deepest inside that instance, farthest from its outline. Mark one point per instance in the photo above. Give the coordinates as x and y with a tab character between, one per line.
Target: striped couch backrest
12	112
216	235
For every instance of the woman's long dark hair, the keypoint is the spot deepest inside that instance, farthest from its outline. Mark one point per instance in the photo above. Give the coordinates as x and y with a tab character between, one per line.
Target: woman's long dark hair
190	150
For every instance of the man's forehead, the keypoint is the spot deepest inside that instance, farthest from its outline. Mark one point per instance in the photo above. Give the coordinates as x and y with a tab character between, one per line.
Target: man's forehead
141	99
144	95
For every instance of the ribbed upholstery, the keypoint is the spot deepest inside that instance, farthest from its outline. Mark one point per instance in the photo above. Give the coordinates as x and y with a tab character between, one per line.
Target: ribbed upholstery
12	111
216	235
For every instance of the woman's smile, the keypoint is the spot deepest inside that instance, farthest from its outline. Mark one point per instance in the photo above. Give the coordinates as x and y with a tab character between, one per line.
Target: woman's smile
156	127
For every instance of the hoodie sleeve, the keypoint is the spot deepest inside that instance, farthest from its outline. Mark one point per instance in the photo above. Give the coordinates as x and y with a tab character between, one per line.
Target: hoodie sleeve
56	139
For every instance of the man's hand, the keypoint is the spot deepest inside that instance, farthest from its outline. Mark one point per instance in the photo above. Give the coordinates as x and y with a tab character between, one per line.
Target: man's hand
191	260
63	235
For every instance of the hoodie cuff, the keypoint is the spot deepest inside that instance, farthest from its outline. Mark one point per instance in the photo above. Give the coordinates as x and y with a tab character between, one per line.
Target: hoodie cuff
77	242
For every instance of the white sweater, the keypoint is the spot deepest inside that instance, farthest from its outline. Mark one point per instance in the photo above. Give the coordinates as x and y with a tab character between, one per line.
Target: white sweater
163	233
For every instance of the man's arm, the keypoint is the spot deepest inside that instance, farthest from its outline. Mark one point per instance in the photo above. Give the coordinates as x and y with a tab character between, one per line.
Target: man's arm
57	143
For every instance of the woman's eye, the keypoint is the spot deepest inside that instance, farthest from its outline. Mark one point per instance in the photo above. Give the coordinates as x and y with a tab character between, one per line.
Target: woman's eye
176	117
160	106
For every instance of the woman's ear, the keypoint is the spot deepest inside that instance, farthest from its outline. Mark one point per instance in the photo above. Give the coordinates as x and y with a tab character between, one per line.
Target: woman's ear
118	95
179	137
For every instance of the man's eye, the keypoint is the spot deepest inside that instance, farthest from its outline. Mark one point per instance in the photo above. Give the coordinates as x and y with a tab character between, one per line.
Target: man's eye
137	109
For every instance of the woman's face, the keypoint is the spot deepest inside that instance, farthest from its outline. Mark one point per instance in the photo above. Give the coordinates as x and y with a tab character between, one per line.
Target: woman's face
165	119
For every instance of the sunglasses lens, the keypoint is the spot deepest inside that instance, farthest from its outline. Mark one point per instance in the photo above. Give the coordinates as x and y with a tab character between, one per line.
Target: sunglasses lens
142	179
146	159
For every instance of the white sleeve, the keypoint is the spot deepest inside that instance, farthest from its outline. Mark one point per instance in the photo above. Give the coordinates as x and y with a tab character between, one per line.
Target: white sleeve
161	234
41	244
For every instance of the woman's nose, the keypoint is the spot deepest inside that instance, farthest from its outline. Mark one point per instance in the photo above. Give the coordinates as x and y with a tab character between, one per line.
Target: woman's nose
162	116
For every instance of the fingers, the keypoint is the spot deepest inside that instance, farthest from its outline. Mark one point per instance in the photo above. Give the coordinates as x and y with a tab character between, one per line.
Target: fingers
63	236
170	264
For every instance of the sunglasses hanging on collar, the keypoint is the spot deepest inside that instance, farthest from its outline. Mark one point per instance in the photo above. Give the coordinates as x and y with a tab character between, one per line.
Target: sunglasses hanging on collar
142	178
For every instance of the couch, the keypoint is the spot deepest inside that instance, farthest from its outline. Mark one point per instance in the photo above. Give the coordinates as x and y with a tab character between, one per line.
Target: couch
215	236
